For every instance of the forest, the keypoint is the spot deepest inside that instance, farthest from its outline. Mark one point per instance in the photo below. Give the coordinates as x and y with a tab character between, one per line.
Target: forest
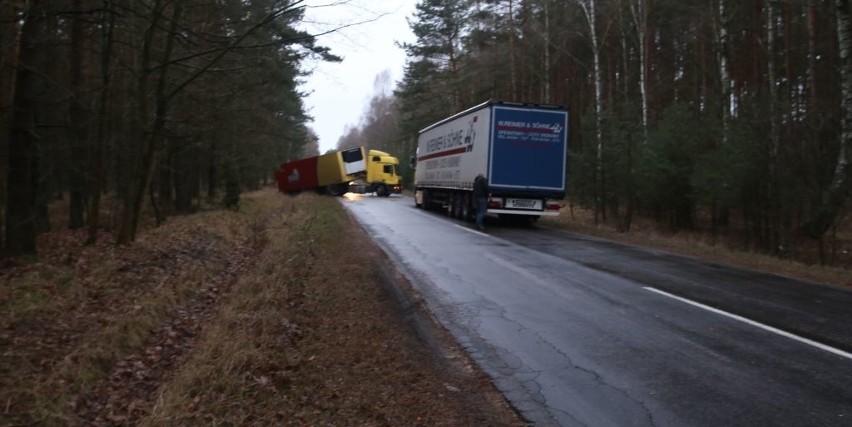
731	117
116	105
727	116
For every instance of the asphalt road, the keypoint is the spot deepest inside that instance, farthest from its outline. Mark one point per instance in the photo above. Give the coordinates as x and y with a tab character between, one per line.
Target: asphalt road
579	331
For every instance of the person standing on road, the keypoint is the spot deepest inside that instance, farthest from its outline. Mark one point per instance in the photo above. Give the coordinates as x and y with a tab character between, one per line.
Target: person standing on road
480	195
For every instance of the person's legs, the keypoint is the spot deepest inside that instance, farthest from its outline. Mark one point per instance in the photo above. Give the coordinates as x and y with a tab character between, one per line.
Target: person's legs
481	206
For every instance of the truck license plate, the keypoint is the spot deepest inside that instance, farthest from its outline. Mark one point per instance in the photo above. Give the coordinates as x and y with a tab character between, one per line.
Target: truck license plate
523	204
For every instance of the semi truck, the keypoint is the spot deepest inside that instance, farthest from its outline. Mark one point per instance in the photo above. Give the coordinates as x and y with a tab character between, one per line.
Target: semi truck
522	149
357	170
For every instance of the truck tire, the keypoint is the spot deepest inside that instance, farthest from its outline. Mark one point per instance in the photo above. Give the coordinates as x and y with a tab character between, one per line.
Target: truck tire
466	211
382	190
337	189
457	206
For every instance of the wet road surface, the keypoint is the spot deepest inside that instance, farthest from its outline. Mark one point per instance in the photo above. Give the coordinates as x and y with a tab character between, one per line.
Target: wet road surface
579	331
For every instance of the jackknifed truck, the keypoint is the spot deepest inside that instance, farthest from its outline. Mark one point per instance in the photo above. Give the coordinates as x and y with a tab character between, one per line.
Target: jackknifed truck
521	148
357	170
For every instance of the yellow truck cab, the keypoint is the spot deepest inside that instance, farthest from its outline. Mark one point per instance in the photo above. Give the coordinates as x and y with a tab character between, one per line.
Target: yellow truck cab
381	175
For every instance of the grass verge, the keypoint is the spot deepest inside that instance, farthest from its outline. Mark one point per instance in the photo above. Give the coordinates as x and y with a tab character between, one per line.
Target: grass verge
702	244
310	337
273	315
70	317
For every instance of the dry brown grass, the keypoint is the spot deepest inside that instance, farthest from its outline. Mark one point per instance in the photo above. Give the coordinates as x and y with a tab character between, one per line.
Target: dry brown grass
69	317
702	244
310	337
272	315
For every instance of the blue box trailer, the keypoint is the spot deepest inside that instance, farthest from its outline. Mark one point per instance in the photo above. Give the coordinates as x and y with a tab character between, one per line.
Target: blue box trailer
521	148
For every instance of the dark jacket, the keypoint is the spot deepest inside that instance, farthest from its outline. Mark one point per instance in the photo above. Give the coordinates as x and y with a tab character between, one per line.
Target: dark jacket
480	187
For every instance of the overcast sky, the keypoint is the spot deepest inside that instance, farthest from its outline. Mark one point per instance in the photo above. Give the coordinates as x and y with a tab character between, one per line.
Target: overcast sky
340	92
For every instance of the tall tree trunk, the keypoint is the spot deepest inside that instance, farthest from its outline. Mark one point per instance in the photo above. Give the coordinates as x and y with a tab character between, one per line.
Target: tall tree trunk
141	180
590	11
835	196
165	180
138	182
772	89
812	59
724	75
513	66
726	89
8	56
548	72
639	10
185	177
776	210
213	171
23	169
79	122
625	59
97	176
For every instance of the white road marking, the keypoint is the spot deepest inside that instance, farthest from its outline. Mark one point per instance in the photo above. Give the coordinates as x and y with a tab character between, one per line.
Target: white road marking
756	324
470	230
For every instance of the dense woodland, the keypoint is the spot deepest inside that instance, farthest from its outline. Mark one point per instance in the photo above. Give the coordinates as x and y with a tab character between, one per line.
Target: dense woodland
116	105
728	116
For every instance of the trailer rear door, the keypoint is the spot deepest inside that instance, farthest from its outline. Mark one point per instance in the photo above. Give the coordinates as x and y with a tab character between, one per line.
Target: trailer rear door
529	150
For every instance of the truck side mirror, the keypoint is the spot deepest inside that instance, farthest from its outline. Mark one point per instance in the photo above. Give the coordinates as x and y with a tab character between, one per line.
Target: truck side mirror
413	161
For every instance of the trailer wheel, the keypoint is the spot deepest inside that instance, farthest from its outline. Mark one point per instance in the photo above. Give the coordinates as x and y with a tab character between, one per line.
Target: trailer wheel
466	209
457	206
455	212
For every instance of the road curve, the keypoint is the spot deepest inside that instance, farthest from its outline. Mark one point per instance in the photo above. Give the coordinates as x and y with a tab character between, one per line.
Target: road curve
578	331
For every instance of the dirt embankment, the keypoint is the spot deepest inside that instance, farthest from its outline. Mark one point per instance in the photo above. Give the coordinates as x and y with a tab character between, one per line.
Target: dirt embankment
274	315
